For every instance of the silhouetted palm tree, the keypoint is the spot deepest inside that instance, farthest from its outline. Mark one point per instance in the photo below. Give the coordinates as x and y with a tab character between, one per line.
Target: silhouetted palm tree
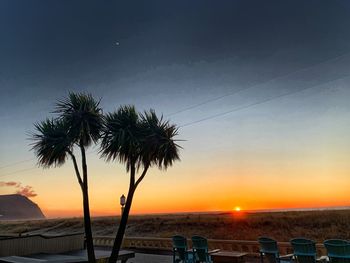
79	124
139	141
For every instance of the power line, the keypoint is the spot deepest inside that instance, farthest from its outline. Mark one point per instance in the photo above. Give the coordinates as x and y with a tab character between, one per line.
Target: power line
226	95
255	85
6	117
28	169
257	103
19	171
32	159
15	163
224	113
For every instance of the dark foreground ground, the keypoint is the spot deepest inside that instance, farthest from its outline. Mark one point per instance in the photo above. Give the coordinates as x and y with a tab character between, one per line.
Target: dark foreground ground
317	225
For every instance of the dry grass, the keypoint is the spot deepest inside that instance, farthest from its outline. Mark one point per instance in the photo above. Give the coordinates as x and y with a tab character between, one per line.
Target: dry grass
317	225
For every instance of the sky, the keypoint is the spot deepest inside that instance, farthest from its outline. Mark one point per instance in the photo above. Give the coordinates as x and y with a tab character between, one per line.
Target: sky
259	90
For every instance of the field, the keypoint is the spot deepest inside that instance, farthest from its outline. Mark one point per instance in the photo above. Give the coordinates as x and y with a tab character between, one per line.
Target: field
317	225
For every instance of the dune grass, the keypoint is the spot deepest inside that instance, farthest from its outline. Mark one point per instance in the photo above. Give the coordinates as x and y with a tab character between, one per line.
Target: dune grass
317	225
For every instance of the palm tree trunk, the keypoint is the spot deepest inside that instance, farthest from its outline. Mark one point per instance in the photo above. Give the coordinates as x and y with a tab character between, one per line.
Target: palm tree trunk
122	226
87	226
87	219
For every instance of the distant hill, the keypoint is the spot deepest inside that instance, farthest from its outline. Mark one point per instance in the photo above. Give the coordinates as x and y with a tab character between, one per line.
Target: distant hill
15	206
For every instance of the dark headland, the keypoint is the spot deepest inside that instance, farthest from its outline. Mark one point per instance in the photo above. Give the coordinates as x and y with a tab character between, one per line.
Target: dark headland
18	207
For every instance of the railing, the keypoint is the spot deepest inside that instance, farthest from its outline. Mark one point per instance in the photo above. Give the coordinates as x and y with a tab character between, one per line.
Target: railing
44	244
250	247
26	245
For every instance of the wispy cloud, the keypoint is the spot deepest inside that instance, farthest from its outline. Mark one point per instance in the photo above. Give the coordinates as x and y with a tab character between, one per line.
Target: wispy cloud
27	190
15	184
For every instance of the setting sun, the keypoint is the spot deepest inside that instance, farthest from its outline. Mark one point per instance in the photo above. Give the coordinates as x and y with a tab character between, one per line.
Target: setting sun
237	209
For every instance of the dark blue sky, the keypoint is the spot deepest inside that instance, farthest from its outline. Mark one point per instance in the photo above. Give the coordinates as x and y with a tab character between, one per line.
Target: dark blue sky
171	54
52	46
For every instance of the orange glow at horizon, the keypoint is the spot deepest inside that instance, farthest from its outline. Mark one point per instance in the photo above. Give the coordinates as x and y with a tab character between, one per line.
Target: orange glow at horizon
157	193
251	181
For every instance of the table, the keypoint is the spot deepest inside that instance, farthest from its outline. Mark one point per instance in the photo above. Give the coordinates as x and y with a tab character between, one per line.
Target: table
228	257
79	256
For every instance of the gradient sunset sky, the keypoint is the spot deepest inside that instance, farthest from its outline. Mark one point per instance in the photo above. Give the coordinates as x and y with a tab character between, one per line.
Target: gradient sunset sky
259	89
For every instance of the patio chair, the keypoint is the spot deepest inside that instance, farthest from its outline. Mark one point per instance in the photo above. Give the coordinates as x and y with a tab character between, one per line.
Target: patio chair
338	250
304	250
200	250
180	250
269	250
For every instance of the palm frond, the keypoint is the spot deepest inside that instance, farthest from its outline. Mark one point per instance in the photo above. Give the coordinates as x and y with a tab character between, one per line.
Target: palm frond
51	142
159	145
121	136
139	139
83	116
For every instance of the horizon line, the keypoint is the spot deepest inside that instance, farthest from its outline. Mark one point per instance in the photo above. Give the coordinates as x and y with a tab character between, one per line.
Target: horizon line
267	210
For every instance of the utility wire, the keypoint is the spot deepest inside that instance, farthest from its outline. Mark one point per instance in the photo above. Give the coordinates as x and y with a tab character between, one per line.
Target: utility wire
15	163
32	159
223	96
19	171
256	85
225	113
258	103
32	168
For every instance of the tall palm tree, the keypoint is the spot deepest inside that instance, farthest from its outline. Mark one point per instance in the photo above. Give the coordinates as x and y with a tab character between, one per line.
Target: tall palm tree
79	124
139	141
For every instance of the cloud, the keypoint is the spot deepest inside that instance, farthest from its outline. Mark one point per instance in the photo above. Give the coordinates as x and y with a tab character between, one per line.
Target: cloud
27	191
14	184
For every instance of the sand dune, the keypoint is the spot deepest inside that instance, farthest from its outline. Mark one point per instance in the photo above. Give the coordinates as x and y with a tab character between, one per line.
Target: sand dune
317	225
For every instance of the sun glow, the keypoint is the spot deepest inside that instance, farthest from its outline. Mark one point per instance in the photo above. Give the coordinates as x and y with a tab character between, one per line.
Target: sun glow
237	209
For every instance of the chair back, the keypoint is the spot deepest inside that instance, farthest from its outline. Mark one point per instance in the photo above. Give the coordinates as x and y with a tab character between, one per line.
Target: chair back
269	249
338	250
304	250
179	247
200	249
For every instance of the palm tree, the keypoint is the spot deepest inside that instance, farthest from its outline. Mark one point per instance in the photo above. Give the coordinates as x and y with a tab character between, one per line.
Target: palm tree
139	141
79	124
